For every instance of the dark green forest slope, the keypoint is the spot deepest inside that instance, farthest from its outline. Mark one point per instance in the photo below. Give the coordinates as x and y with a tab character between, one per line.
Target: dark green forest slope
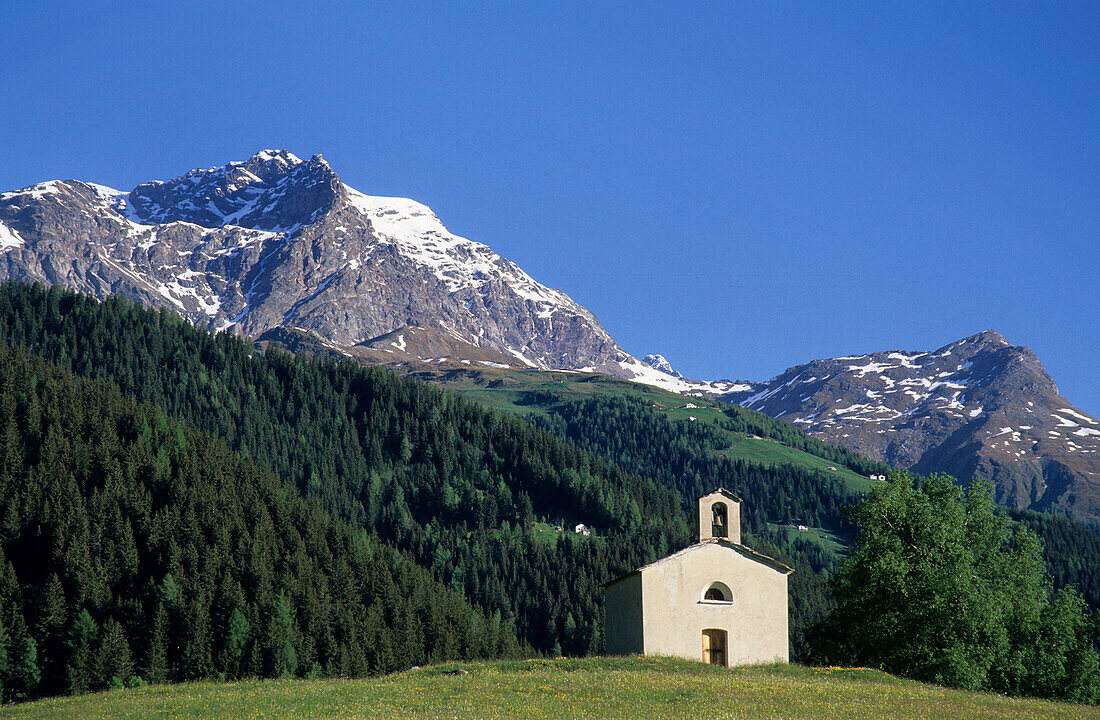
1071	552
454	485
687	456
133	545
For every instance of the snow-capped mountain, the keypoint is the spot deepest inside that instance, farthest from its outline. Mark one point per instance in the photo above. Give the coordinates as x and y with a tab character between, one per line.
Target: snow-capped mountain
659	362
979	407
280	249
280	242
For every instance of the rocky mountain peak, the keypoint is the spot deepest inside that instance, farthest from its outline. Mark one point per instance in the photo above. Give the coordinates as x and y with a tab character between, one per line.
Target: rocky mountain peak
273	190
985	340
977	407
269	165
280	242
659	362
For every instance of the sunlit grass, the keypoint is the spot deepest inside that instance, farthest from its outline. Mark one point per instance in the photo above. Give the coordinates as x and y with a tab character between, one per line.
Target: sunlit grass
770	452
537	393
830	541
590	688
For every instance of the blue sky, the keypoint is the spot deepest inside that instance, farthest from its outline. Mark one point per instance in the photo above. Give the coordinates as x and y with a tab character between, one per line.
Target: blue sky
739	186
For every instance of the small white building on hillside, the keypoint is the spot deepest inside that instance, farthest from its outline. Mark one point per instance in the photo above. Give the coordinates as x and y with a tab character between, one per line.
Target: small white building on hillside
716	601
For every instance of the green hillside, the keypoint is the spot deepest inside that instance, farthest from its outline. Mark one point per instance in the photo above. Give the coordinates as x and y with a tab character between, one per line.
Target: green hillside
455	486
538	395
463	500
612	688
787	477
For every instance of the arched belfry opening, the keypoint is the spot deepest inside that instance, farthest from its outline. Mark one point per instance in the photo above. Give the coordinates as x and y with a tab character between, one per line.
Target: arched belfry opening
719	521
720	517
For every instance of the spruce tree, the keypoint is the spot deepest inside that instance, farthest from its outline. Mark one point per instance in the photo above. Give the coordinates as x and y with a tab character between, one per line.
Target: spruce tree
52	629
156	666
115	667
236	643
83	638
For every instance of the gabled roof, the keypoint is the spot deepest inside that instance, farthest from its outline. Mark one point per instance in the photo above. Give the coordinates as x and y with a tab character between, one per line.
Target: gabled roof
721	491
736	547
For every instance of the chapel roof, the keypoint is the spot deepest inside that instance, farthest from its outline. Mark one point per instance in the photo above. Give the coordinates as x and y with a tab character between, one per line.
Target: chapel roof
737	547
721	491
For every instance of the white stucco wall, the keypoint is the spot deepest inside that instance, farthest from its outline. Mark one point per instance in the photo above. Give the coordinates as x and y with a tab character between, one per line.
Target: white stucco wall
674	614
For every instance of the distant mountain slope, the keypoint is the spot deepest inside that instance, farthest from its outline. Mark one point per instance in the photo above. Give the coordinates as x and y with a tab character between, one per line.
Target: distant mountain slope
976	407
279	242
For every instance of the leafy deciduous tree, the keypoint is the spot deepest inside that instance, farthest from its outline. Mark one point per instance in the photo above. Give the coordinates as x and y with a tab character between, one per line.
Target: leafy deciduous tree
941	586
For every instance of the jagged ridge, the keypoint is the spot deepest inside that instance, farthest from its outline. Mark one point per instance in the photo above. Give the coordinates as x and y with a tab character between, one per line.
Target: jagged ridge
978	407
276	241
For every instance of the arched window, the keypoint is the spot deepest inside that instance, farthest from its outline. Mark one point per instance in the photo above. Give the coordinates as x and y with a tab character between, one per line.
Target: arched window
717	592
719	527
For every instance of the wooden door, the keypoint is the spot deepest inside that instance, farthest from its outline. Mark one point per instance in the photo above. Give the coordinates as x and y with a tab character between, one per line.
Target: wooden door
714	647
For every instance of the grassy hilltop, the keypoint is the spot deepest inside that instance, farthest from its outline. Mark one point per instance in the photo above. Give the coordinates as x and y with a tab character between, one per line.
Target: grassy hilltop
559	689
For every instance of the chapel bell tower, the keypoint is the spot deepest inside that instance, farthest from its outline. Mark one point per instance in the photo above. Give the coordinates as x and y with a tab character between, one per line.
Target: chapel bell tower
720	516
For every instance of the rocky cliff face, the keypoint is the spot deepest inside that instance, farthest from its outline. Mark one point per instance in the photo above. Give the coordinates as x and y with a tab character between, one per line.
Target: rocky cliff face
279	242
979	407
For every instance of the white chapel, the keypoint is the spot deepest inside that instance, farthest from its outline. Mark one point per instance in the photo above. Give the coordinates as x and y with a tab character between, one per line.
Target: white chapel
716	601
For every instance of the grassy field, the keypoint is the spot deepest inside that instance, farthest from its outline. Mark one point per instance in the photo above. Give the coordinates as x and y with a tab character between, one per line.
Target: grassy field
643	688
549	534
526	392
832	542
767	451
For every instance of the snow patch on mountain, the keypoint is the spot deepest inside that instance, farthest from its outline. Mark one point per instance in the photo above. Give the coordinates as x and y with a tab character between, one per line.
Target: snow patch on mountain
32	193
457	262
9	238
658	362
645	373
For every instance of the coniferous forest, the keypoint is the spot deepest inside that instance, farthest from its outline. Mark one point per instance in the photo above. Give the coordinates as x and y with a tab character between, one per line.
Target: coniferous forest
134	546
185	506
450	486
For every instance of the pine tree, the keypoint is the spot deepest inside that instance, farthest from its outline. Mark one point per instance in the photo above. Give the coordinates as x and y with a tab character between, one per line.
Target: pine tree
5	662
83	638
156	668
236	643
51	628
196	661
114	662
26	672
281	638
